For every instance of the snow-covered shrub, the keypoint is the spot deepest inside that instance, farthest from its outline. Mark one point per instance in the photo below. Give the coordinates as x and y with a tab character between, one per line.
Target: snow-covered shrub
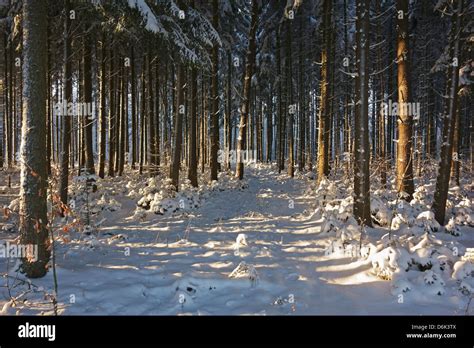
325	192
379	211
452	228
245	270
427	220
434	283
463	269
390	260
159	196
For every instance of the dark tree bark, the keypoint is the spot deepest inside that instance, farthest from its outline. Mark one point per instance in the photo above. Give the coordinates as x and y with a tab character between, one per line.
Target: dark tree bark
290	107
249	65
361	146
215	97
157	117
87	71
280	117
102	109
269	112
49	97
381	116
324	116
153	167
192	169
228	116
302	104
134	106
444	170
112	114
178	137
66	119
142	119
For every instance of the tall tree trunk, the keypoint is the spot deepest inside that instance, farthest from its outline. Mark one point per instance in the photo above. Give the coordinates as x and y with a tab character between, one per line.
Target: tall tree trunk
102	110
6	96
456	157
192	168
166	142
324	117
112	115
228	119
215	97
381	96
347	92
133	94
87	72
49	97
280	118
442	181
34	174
157	117
290	107
142	119
123	120
153	168
302	116
405	184
9	124
203	124
178	138
269	111
249	65
67	98
361	146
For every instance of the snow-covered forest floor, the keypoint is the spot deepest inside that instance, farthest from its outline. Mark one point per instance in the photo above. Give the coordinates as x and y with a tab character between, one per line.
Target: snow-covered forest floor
268	245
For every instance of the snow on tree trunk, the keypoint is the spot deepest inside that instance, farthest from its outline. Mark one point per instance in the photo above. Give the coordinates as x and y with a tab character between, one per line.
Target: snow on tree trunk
33	187
361	146
444	170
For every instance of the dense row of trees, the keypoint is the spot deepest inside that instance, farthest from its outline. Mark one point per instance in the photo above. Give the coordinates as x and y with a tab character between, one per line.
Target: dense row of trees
159	86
